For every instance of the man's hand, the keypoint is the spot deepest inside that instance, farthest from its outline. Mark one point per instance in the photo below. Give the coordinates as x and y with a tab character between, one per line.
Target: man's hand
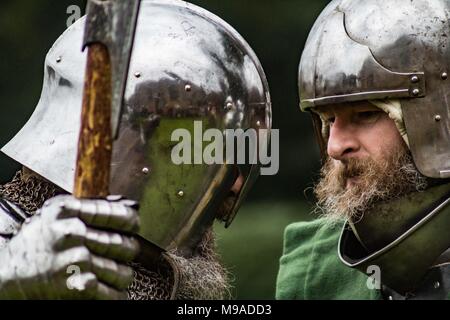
72	249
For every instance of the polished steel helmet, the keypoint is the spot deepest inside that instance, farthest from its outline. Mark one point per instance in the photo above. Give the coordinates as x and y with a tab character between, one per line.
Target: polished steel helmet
386	49
187	65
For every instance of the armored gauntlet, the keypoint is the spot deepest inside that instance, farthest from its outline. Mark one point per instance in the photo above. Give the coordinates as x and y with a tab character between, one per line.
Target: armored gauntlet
71	249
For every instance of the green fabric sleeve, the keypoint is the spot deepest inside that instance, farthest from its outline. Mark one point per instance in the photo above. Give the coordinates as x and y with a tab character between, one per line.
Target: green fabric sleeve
310	268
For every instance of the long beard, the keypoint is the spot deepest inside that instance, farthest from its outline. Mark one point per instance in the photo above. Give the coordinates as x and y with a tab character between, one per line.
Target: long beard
375	182
202	276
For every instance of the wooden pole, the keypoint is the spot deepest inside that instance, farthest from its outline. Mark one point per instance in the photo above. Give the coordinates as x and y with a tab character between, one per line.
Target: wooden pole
95	145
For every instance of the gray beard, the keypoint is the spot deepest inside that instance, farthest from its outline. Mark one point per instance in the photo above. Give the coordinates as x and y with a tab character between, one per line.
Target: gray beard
201	277
393	180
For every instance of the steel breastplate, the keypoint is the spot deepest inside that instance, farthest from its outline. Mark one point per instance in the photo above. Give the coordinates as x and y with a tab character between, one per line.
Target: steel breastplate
404	238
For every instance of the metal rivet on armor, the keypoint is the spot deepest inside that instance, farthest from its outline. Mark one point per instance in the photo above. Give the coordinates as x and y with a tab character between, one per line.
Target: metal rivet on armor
390	298
15	232
437	118
437	285
180	193
229	106
188	88
145	170
444	76
415	92
137	74
58	60
415	79
258	123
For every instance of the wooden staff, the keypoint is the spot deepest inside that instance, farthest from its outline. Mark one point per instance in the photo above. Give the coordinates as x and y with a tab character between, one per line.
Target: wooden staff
95	145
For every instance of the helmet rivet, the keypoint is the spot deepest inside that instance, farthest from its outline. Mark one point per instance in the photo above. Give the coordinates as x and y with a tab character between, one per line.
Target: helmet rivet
59	59
415	92
437	285
258	123
180	194
229	106
444	76
145	170
437	118
391	298
137	74
415	79
188	88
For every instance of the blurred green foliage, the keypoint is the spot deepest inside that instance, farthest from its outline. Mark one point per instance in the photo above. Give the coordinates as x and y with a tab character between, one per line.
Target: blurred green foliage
252	246
277	31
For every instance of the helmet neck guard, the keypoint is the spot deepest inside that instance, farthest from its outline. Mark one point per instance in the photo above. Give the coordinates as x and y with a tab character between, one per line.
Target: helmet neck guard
404	237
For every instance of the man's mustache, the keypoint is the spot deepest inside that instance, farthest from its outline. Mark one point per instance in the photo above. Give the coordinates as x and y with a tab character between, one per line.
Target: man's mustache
352	168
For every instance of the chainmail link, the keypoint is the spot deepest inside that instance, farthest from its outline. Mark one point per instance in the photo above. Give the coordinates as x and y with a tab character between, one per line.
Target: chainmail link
29	191
150	285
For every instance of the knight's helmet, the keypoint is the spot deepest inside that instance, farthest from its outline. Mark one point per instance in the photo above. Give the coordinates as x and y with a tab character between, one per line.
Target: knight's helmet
187	65
378	49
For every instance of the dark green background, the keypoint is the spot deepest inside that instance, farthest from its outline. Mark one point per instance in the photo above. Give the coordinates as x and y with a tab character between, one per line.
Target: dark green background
277	31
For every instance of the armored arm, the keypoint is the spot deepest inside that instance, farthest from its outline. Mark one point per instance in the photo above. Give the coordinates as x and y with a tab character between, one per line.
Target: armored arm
71	249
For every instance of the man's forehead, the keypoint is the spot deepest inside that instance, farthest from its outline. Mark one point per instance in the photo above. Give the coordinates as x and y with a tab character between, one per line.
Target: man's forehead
346	106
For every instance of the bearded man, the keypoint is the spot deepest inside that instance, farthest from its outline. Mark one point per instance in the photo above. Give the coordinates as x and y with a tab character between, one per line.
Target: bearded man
374	75
187	65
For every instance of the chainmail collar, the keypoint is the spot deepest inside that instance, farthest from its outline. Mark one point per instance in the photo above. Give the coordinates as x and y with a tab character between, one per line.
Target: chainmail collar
29	190
151	284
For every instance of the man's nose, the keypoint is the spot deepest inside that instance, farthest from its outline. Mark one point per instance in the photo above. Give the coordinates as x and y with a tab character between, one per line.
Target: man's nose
342	142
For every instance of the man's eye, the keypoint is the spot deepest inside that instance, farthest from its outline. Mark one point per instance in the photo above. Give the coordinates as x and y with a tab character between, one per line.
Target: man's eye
368	116
330	119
